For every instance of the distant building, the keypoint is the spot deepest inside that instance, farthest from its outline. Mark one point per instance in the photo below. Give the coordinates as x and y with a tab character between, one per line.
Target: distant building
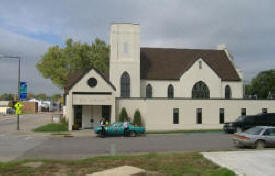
46	106
172	88
4	106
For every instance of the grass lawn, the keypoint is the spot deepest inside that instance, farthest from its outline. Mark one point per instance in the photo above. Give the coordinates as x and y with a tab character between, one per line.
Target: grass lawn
52	127
184	131
191	164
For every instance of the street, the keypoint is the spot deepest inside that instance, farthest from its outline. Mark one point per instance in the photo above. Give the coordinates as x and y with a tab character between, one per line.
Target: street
26	144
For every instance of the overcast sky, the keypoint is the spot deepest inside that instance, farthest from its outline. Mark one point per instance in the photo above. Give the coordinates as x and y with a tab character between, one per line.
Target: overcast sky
28	28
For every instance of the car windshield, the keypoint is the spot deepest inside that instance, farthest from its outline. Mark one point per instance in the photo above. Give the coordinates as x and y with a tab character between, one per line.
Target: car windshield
254	131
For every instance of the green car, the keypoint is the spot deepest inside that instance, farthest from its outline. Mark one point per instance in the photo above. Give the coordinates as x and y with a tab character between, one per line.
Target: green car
117	129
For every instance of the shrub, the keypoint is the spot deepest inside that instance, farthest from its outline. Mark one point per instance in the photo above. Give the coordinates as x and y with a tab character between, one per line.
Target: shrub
75	127
137	118
63	119
123	115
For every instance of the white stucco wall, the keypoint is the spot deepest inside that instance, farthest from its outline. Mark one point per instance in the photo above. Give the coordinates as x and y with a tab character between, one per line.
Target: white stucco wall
236	89
158	113
129	61
183	87
160	88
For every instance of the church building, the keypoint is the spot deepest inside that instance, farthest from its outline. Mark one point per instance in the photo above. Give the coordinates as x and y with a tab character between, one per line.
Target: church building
172	88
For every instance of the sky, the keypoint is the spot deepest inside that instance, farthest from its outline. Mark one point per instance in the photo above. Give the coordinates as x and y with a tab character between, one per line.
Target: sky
28	28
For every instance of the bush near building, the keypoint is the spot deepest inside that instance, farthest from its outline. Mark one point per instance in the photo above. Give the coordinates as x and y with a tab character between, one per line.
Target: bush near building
137	118
123	116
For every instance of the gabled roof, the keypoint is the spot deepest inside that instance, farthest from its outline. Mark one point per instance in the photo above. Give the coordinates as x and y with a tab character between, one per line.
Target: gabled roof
75	77
170	64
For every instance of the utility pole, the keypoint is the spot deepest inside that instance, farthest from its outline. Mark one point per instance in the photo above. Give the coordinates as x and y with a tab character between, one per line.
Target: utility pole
18	90
18	82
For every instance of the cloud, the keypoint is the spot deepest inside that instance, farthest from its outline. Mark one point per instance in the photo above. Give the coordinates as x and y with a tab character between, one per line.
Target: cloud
30	51
247	27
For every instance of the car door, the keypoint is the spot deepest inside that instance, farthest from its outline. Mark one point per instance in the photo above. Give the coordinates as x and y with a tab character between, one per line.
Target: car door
249	121
272	136
120	130
109	130
115	130
269	136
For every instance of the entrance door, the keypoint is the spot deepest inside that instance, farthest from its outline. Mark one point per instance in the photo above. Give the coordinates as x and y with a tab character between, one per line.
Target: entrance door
106	112
78	115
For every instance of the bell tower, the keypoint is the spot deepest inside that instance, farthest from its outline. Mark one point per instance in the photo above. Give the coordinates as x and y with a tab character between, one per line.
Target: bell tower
125	58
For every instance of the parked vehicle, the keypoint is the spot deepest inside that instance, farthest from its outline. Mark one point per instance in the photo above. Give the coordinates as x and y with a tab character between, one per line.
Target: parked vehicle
246	122
259	137
117	129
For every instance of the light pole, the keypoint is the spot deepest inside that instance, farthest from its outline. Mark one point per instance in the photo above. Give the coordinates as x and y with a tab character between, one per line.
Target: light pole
18	81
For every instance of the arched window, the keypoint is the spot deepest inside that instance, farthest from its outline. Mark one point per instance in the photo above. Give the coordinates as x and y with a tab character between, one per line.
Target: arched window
200	91
148	91
227	92
170	91
125	85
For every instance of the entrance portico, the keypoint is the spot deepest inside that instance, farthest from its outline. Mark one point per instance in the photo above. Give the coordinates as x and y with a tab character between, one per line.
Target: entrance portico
92	106
89	96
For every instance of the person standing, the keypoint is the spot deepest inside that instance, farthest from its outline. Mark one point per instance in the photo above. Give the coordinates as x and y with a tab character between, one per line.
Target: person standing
102	124
126	128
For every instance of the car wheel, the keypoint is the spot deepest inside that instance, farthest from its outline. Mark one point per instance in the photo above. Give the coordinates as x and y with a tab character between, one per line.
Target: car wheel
238	130
133	133
260	144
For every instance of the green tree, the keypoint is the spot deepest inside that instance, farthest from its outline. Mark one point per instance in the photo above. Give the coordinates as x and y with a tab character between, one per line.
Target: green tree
56	97
263	83
137	118
58	62
123	116
41	96
30	96
6	97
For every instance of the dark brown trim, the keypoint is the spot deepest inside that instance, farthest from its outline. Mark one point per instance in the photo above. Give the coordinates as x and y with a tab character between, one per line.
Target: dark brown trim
92	93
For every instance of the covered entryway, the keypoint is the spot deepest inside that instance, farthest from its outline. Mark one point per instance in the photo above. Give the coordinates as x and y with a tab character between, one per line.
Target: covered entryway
89	97
86	116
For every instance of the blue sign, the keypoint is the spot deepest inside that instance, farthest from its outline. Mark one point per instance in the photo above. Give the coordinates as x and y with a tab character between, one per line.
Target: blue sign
23	91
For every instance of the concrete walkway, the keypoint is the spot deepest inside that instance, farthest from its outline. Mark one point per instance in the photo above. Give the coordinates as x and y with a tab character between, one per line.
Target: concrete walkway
246	163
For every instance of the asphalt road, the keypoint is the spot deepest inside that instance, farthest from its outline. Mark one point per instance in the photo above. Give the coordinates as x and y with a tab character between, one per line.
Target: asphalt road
22	147
17	146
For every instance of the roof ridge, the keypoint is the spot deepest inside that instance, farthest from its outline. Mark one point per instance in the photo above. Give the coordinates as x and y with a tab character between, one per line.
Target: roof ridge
182	49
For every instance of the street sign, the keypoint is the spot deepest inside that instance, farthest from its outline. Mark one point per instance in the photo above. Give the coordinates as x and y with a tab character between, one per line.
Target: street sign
23	91
18	108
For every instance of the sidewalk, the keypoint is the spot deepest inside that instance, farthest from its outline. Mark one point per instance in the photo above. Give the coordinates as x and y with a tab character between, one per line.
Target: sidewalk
245	163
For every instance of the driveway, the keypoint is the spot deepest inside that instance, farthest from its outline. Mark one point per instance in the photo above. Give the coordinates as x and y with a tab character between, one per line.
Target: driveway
248	163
